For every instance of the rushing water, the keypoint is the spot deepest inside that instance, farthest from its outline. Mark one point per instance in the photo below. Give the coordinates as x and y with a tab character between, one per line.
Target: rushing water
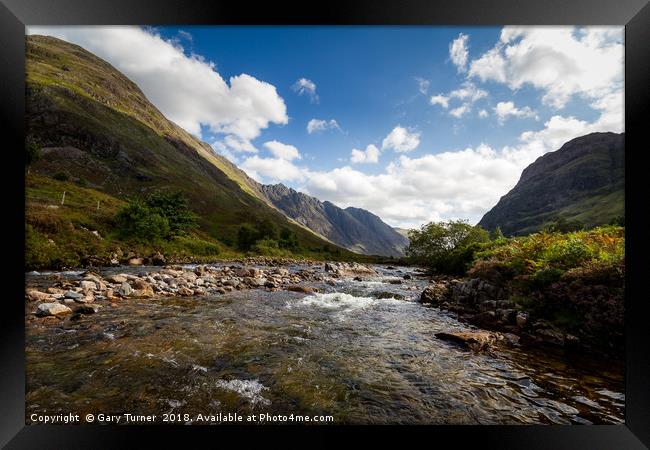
362	352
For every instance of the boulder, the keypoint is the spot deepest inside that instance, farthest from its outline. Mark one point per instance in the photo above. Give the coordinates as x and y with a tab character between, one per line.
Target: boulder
87	309
117	278
407	277
34	295
298	288
87	285
477	341
73	295
135	261
185	292
157	259
435	293
52	309
142	289
521	319
124	290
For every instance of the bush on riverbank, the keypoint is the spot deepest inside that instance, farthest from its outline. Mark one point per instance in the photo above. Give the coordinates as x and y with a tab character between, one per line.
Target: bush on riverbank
573	280
446	247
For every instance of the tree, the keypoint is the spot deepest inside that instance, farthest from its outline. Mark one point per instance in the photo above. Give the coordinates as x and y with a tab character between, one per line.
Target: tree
267	230
246	237
137	221
562	225
174	207
446	247
288	239
496	234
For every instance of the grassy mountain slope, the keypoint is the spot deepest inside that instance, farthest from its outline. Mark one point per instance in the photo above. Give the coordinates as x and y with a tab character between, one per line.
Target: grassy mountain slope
94	125
584	180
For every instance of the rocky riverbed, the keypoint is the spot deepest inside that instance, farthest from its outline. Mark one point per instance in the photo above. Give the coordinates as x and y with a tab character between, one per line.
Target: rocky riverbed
345	339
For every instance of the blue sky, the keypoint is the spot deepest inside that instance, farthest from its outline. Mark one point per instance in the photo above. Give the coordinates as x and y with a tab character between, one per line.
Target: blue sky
417	123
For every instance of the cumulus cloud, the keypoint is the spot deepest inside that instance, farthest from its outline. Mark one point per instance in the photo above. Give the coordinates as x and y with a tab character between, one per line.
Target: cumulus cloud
460	111
560	61
306	87
186	88
441	100
505	110
468	93
483	114
458	52
282	151
369	155
401	140
272	169
317	125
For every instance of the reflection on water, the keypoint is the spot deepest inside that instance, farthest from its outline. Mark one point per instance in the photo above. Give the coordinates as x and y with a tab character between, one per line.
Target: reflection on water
364	352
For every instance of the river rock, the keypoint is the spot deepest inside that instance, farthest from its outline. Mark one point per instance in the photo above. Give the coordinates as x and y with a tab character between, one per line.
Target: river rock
142	289
73	295
185	292
116	278
407	277
157	259
124	290
87	285
435	293
521	319
52	309
298	288
34	295
135	261
477	341
87	309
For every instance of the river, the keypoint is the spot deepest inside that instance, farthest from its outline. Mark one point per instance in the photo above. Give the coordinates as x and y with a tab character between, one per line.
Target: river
362	352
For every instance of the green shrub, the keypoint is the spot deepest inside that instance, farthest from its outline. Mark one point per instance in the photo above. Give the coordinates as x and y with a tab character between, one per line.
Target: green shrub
446	247
61	176
139	222
173	207
246	237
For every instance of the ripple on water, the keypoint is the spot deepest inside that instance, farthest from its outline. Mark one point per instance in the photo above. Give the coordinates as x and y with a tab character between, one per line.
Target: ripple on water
250	390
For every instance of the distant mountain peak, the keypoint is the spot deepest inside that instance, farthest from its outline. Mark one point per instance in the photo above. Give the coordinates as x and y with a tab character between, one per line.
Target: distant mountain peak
353	228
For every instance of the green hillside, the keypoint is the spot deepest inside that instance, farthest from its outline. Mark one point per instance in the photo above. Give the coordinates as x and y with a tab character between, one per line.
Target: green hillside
96	128
584	181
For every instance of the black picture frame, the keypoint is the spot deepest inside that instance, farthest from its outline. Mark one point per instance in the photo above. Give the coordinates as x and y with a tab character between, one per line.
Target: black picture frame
634	14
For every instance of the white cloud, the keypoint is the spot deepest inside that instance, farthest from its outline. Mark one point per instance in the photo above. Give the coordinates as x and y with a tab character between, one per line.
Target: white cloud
468	93
423	85
186	88
369	155
401	140
306	87
282	151
457	183
441	100
272	169
482	114
505	110
458	52
560	61
316	125
460	111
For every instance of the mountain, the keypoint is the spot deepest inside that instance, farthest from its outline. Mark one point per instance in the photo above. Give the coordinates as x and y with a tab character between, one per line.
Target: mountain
94	126
353	228
584	180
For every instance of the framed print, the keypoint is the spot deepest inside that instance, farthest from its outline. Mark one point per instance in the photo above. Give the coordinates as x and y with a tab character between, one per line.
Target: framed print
371	215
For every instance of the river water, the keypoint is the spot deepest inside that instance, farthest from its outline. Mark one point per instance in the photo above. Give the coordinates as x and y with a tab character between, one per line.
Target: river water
360	351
